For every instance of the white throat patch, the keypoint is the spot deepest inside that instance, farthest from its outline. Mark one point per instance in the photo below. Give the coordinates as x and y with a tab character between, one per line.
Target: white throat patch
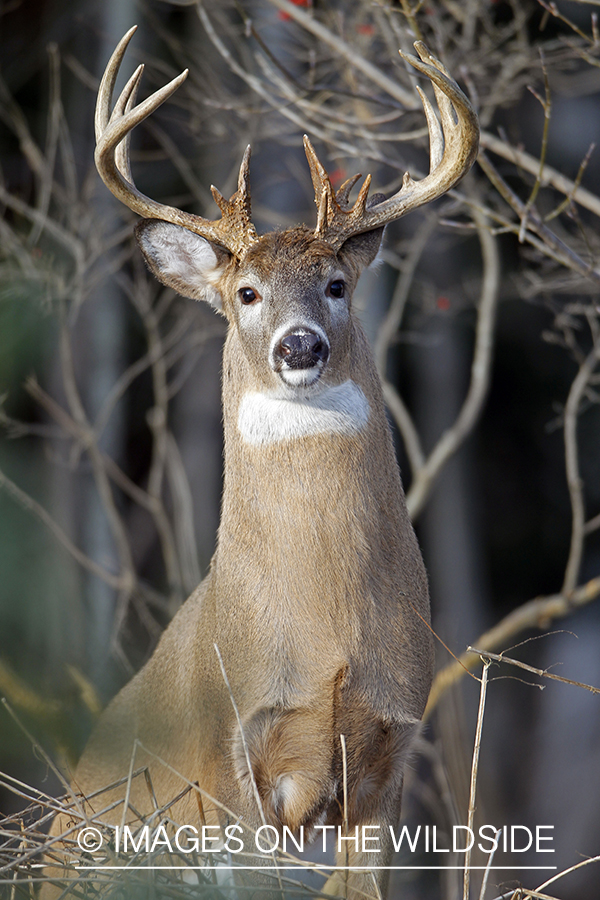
263	420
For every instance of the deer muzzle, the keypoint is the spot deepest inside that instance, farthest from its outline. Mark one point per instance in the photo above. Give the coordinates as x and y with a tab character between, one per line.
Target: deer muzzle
300	356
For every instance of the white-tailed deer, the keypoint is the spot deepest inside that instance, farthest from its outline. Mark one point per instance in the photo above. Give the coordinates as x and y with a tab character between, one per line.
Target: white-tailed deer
316	596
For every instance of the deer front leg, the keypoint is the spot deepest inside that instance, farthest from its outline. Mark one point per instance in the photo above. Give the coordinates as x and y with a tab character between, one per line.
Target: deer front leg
289	751
370	768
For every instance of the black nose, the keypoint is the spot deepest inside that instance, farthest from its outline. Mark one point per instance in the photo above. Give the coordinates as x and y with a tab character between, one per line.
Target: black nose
302	349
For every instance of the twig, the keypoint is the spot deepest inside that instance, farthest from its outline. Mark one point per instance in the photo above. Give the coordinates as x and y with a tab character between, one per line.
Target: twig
554	11
546	175
486	873
52	137
406	426
31	505
546	105
579	865
592	525
336	43
567	203
39	749
474	771
247	755
183	515
128	783
548	242
68	241
574	483
449	442
345	811
393	318
538	613
119	533
153	504
257	798
543	673
524	894
388	330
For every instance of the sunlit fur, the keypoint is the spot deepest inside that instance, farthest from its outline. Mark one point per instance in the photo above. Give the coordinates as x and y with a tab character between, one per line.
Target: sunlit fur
316	596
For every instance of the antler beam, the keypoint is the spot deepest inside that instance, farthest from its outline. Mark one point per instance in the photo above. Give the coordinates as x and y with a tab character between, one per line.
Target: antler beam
234	230
453	149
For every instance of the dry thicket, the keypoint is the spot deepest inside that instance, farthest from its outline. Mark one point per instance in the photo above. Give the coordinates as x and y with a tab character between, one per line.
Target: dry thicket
516	227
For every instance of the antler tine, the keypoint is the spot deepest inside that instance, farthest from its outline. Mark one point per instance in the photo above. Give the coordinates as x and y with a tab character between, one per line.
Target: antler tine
343	192
436	135
453	148
243	177
243	191
113	130
319	176
125	104
324	196
107	84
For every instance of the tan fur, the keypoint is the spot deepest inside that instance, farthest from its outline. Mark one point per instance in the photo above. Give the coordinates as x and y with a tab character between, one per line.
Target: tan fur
316	596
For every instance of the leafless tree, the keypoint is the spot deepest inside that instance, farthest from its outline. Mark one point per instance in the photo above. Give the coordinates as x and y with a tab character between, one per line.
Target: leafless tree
521	231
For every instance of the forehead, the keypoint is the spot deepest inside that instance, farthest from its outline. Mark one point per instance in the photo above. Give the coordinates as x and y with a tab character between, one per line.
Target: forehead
294	253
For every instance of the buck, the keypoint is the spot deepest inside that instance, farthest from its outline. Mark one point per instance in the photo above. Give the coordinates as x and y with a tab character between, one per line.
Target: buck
290	685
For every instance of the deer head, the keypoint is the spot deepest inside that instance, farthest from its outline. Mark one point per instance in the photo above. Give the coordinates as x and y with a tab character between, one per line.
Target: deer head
284	292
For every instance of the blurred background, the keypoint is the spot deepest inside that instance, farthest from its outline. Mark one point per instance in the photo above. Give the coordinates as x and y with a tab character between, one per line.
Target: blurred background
484	316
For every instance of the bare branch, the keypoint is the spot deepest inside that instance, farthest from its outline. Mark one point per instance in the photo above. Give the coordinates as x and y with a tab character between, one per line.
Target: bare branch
34	507
120	536
574	483
543	673
449	442
474	771
538	613
547	175
549	243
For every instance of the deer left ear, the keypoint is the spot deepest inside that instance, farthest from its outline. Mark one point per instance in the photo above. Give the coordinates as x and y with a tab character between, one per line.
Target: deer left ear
361	249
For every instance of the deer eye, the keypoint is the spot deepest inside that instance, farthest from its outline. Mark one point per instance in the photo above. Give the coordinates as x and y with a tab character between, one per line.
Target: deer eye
337	289
248	296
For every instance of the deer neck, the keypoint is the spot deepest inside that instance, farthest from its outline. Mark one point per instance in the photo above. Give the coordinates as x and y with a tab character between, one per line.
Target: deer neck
312	541
306	478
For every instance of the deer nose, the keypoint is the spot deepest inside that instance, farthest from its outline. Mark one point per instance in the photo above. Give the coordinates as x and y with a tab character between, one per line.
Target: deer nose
302	350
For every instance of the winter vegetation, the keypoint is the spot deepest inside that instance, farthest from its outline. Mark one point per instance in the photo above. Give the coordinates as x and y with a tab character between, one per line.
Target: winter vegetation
485	323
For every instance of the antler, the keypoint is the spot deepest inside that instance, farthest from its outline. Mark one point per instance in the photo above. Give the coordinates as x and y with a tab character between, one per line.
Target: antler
453	149
234	230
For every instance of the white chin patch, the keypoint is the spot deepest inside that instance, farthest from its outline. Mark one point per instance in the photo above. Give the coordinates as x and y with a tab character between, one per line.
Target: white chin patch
300	377
264	419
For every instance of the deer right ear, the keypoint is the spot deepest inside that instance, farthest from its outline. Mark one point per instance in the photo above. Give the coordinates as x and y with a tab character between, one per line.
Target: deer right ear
183	260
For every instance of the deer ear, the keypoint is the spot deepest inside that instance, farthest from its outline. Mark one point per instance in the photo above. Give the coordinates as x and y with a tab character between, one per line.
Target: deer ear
361	249
183	260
